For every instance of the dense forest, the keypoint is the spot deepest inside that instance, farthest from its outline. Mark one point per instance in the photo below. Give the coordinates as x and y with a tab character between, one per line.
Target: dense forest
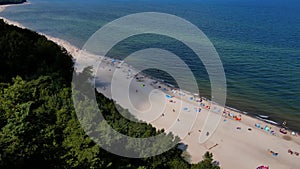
39	126
4	2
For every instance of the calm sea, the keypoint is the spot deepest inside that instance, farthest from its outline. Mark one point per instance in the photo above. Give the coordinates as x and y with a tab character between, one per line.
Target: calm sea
258	42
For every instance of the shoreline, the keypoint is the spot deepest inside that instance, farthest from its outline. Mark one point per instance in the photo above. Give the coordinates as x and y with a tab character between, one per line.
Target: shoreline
228	113
3	7
75	51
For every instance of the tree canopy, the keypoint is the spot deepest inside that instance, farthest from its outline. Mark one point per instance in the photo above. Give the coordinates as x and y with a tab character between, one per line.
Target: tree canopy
3	2
30	55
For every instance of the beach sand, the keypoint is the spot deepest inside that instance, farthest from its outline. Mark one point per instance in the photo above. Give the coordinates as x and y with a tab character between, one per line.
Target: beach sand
233	148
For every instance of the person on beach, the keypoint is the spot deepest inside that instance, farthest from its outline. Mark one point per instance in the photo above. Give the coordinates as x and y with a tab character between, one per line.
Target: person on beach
293	152
284	123
273	153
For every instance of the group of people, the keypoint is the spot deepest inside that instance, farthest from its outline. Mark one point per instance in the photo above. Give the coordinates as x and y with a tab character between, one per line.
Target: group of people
232	116
289	151
293	152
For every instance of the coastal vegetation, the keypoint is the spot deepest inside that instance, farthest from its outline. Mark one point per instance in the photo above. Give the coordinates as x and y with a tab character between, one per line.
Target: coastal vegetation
4	2
39	126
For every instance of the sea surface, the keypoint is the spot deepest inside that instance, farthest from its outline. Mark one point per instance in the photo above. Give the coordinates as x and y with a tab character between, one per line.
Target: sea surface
258	43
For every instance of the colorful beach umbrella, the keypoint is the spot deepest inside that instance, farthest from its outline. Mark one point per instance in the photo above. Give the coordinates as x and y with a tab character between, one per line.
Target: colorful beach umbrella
262	167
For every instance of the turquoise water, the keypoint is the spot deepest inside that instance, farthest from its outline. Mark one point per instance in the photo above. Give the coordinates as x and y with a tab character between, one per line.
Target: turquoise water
258	42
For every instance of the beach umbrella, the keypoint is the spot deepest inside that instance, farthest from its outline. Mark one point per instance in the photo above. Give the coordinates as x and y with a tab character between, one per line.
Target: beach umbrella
238	118
185	109
262	167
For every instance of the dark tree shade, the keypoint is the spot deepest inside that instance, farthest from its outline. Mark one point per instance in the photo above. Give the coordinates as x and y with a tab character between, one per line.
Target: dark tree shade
4	2
29	55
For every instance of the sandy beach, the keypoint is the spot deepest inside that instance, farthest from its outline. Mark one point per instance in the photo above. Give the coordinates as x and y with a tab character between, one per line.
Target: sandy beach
240	141
237	143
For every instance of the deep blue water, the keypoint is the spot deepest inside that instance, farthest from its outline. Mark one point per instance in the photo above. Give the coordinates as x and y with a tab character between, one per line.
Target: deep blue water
258	42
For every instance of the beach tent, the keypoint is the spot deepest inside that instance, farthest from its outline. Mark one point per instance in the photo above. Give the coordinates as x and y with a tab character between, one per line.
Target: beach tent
191	98
267	128
185	109
257	125
168	96
143	85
